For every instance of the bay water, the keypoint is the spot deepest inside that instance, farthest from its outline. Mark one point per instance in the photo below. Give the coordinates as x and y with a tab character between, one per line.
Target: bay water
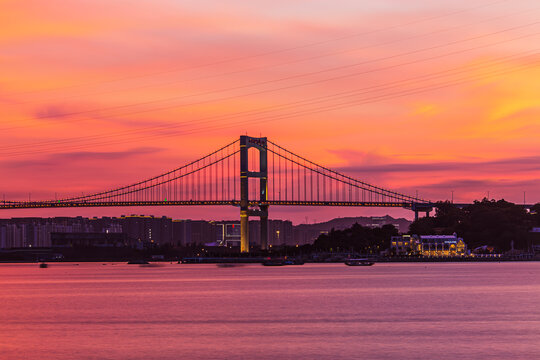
314	311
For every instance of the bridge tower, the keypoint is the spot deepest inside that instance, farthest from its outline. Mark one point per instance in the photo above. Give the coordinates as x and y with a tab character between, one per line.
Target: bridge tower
247	142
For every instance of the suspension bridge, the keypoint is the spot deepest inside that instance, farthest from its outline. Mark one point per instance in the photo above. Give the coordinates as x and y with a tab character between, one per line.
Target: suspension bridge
250	173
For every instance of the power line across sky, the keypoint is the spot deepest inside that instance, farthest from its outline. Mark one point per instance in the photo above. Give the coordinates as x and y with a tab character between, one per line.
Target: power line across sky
354	84
70	115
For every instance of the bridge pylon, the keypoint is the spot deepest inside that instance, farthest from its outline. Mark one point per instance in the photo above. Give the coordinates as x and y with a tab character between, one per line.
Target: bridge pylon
421	207
247	142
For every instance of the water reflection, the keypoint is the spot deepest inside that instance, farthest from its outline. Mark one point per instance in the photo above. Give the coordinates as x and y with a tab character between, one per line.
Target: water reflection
329	311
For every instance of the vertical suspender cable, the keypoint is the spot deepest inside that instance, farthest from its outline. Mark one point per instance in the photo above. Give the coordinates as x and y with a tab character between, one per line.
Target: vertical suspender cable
292	179
286	182
222	175
216	179
305	182
311	185
298	176
198	187
228	176
318	188
324	185
279	175
344	186
273	175
210	184
235	175
190	183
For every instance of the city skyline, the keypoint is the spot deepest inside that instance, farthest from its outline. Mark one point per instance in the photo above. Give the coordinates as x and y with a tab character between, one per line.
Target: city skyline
432	97
141	231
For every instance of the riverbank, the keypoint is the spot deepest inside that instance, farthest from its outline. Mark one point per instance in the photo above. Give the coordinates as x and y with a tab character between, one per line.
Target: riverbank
258	260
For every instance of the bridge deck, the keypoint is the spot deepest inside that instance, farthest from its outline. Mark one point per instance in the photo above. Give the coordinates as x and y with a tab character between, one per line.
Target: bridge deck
60	204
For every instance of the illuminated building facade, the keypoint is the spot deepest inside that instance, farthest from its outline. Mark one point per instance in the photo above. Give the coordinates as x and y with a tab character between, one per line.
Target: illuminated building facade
441	245
429	245
402	245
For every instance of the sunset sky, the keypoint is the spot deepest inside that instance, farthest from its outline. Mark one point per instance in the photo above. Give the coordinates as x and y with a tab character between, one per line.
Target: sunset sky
428	96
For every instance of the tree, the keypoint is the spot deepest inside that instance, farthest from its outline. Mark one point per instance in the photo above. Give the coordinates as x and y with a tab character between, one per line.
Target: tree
357	238
486	222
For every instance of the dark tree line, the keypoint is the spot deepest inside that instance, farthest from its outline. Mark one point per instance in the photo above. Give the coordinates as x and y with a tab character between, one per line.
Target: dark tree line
356	239
487	222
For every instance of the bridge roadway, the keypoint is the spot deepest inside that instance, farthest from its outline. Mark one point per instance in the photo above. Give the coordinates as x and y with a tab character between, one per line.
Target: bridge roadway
63	204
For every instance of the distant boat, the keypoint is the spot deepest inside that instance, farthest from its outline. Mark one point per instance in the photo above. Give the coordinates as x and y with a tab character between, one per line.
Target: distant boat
138	262
228	265
273	262
43	265
358	262
293	262
281	262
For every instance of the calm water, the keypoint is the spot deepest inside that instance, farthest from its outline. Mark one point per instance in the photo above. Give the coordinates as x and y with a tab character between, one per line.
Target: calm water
330	311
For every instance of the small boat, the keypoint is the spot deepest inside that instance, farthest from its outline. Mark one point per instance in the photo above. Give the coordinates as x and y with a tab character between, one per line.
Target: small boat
138	262
43	265
358	262
228	265
273	262
293	262
150	265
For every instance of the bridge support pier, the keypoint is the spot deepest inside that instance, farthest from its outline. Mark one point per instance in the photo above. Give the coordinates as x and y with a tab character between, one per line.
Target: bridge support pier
247	142
244	231
417	208
264	227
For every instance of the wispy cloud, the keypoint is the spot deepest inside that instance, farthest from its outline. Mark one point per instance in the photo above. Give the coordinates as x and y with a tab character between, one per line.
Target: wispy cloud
66	159
503	166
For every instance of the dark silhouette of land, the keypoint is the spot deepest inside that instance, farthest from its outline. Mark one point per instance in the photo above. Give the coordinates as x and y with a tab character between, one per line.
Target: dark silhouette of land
487	225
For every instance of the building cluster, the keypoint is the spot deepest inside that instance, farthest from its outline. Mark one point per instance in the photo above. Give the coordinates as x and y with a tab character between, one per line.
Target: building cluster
36	232
534	235
134	230
143	231
380	221
428	245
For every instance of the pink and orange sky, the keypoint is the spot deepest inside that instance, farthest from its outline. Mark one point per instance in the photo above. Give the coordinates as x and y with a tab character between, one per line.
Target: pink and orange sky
427	96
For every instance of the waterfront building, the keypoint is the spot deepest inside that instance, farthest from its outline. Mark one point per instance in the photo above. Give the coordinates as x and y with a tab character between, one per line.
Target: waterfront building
14	236
3	237
192	232
402	245
280	232
534	236
441	245
145	230
228	233
88	239
379	221
428	245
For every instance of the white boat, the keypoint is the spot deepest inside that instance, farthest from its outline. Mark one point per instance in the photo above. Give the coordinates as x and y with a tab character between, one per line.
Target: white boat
358	262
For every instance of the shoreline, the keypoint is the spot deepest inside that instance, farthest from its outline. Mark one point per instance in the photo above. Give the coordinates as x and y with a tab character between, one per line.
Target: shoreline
196	261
